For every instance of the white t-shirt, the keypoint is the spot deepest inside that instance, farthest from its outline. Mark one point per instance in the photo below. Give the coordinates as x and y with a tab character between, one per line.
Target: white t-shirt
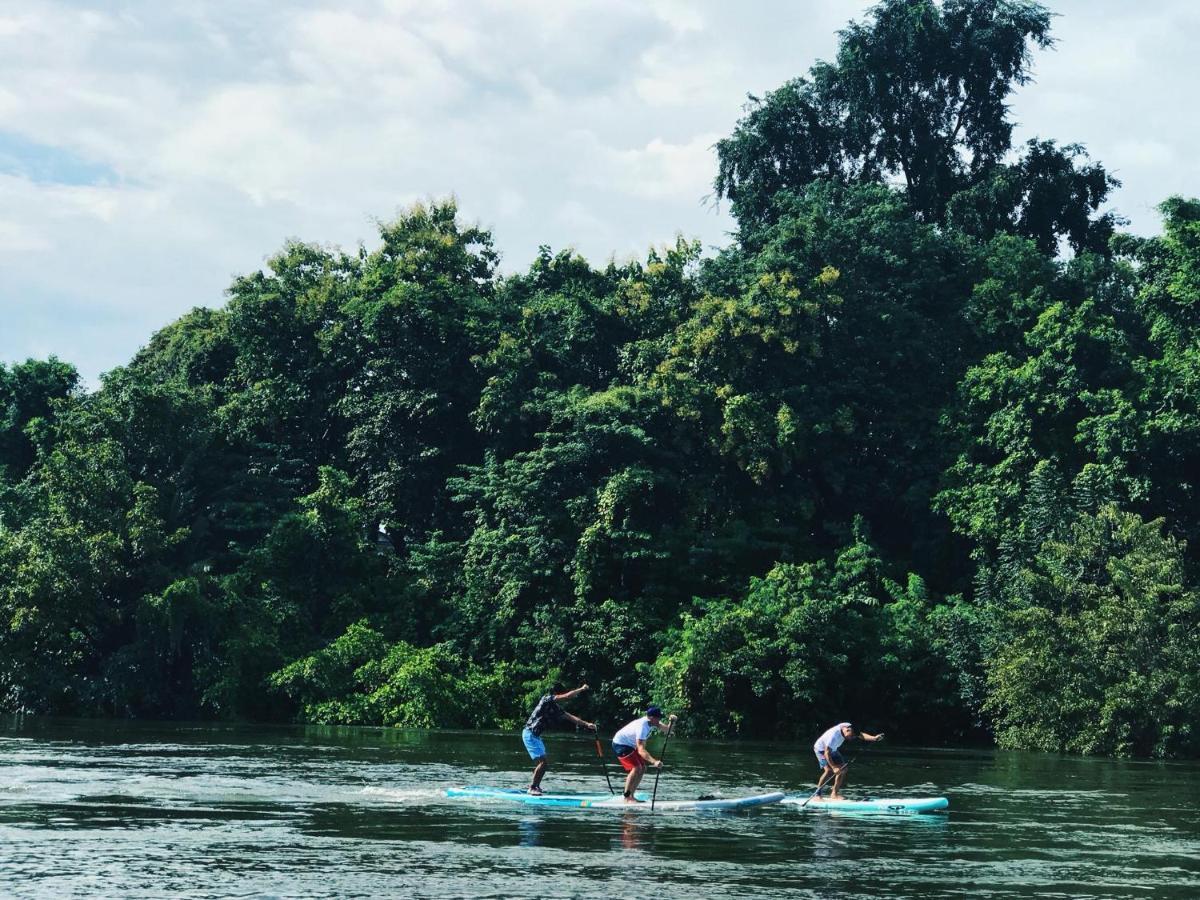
637	730
831	739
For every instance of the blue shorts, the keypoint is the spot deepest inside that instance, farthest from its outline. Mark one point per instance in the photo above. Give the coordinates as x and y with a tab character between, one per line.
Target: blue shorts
533	744
838	760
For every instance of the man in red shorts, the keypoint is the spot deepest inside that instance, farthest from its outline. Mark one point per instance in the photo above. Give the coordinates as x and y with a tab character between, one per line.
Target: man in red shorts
630	746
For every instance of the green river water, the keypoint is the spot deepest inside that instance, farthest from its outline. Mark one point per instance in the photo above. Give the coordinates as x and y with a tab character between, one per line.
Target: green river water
116	809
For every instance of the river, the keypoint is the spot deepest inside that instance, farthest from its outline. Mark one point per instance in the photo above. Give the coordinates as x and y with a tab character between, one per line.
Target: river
118	809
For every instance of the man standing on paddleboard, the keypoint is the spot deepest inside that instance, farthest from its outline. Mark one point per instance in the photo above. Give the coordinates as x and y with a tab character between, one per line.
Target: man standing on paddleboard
548	714
630	746
830	760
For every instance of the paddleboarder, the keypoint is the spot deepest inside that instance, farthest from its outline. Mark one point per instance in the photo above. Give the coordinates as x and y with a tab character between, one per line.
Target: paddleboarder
830	760
548	714
630	746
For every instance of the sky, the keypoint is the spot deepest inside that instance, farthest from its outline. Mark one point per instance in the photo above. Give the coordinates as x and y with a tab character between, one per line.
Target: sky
152	151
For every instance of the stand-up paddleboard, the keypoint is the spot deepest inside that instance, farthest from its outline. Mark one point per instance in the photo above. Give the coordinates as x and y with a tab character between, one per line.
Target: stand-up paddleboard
896	806
608	801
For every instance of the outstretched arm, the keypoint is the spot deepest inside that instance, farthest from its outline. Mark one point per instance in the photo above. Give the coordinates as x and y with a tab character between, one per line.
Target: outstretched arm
872	737
575	693
590	726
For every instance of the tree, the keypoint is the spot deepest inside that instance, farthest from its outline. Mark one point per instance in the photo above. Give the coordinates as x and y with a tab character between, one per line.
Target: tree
28	392
418	314
816	381
807	644
918	93
1167	454
1065	401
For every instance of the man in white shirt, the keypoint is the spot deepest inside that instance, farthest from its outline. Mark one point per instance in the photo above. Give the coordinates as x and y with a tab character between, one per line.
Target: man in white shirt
630	746
830	760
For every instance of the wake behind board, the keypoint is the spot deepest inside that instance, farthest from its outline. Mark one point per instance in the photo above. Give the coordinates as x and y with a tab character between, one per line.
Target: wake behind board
608	801
896	806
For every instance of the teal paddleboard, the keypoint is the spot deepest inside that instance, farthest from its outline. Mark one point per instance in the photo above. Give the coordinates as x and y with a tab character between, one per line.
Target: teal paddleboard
608	801
896	806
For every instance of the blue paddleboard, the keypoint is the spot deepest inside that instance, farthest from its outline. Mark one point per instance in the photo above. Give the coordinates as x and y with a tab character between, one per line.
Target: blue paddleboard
607	801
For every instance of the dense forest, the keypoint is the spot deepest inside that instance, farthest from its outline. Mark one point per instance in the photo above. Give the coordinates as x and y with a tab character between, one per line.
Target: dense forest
919	447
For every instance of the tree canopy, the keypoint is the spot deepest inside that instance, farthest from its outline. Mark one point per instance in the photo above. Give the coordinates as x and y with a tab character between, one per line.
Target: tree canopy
917	95
919	447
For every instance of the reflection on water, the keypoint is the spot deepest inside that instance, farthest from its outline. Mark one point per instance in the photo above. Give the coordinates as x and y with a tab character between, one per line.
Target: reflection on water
636	833
117	809
531	831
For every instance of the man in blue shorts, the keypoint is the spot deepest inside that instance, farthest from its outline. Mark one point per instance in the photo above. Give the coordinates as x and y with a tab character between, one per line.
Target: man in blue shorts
830	760
548	714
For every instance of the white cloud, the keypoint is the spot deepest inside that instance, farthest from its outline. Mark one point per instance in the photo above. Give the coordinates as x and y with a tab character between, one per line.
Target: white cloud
659	170
16	239
243	136
679	14
345	54
15	26
670	81
1144	153
218	131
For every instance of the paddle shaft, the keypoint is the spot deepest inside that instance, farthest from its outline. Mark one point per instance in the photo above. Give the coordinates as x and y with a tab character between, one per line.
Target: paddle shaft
603	764
661	757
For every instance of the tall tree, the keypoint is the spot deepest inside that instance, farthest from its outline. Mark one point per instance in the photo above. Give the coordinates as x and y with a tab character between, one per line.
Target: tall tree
418	315
918	93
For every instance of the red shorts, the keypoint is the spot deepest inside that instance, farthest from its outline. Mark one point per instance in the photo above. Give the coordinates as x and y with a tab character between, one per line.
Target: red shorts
631	761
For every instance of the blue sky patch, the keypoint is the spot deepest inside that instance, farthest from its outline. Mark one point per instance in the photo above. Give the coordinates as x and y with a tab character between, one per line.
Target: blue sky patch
45	164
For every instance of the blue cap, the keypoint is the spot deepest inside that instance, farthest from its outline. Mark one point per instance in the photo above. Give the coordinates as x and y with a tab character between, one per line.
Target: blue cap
653	711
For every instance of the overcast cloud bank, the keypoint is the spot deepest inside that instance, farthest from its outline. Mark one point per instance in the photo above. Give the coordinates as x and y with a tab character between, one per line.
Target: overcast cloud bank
150	154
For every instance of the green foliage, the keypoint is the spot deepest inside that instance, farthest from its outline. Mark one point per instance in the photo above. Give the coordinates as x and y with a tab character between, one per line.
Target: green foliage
1100	652
398	487
28	395
822	371
361	679
919	93
1022	413
412	325
806	643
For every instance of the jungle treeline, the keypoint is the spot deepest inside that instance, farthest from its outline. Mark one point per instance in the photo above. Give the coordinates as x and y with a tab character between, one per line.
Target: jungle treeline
919	447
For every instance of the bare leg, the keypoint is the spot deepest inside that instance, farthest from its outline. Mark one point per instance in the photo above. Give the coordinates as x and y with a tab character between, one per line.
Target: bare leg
539	770
838	780
824	777
632	780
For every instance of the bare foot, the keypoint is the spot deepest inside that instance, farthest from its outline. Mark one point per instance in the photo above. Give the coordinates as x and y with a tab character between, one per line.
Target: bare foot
633	800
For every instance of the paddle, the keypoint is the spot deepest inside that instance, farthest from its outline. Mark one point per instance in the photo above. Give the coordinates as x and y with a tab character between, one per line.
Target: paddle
825	773
603	764
661	757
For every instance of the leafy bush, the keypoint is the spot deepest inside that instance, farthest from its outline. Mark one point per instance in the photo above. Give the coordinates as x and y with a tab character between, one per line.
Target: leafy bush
1101	649
360	679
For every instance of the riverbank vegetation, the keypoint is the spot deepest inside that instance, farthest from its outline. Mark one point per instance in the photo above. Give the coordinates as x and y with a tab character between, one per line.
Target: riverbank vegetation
919	447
